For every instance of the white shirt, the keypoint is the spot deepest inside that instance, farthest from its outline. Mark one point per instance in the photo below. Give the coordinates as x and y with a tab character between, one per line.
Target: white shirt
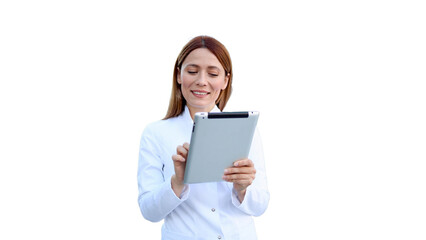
204	210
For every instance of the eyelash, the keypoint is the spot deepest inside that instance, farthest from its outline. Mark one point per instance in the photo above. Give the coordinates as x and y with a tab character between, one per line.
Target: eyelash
211	74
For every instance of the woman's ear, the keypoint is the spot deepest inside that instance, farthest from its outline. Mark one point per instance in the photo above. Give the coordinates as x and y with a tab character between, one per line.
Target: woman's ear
179	80
226	82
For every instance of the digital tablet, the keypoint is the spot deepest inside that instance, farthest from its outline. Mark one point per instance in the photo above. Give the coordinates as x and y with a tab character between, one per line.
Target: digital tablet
218	140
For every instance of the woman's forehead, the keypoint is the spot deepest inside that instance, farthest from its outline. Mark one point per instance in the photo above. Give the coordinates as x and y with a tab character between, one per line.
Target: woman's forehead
202	57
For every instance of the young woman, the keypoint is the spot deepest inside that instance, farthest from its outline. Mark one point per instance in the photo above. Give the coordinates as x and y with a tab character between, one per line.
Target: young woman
202	82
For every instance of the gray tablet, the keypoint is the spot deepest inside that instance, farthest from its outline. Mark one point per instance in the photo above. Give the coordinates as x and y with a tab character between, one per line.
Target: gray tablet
218	140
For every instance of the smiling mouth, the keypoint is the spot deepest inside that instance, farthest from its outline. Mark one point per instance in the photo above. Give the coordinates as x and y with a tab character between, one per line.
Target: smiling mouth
200	93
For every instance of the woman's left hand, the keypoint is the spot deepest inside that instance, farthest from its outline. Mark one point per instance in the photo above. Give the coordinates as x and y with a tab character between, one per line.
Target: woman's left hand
242	175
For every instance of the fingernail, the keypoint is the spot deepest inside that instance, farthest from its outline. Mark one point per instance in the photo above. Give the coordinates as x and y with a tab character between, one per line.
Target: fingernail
236	164
226	170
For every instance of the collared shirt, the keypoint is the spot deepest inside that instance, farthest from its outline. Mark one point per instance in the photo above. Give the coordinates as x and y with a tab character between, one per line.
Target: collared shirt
203	210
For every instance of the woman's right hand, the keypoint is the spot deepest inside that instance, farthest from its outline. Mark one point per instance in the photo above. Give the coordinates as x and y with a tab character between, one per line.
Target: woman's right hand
179	161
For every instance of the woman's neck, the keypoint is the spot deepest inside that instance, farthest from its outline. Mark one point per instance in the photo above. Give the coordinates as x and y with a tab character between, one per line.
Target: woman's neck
193	110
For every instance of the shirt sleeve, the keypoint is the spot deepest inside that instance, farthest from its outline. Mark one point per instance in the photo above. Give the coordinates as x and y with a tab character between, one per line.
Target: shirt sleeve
156	196
256	199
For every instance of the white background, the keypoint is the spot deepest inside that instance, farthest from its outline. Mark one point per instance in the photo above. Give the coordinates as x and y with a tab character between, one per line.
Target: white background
340	86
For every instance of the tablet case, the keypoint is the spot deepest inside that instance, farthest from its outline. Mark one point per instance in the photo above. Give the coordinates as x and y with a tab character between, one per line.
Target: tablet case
218	140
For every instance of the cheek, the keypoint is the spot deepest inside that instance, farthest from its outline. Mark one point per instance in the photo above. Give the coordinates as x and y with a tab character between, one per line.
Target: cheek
185	83
218	86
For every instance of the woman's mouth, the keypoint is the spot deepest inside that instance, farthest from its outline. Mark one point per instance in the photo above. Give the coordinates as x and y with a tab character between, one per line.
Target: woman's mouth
199	93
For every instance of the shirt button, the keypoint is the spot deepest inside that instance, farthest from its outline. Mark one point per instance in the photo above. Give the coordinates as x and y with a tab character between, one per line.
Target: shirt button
213	210
219	237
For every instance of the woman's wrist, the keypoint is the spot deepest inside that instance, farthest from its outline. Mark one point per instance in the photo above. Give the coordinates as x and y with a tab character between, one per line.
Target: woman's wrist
241	194
177	186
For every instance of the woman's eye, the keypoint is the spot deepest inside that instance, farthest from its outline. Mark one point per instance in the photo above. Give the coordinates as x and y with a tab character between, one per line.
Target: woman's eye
192	72
213	74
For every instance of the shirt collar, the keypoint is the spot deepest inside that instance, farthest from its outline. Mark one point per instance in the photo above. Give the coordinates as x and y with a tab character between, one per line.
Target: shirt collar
215	109
187	116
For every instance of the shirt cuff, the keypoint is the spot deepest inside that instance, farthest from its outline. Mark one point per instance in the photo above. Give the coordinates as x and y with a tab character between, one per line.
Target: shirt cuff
183	195
185	192
235	199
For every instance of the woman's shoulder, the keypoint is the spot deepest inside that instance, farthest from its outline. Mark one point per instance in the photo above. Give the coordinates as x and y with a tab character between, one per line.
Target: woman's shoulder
156	125
160	126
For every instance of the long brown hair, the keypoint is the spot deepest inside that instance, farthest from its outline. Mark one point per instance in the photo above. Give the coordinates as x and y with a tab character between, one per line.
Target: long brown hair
177	101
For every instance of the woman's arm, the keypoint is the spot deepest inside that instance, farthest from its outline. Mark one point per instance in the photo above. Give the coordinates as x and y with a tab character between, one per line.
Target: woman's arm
242	175
250	193
156	196
179	162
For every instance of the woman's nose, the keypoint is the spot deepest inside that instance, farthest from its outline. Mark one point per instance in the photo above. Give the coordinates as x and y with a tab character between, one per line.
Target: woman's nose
202	79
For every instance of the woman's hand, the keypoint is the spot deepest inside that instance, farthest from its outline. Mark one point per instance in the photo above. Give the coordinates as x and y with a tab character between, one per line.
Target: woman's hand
179	161
242	175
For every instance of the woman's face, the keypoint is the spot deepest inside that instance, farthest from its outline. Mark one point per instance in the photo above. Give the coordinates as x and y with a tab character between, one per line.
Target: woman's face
202	77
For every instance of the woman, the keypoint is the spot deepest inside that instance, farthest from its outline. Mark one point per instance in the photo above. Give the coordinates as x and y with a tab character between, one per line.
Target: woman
202	82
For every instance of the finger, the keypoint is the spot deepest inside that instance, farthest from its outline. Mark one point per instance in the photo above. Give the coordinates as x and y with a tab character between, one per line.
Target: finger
186	146
178	158
240	170
182	151
241	180
243	162
234	177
